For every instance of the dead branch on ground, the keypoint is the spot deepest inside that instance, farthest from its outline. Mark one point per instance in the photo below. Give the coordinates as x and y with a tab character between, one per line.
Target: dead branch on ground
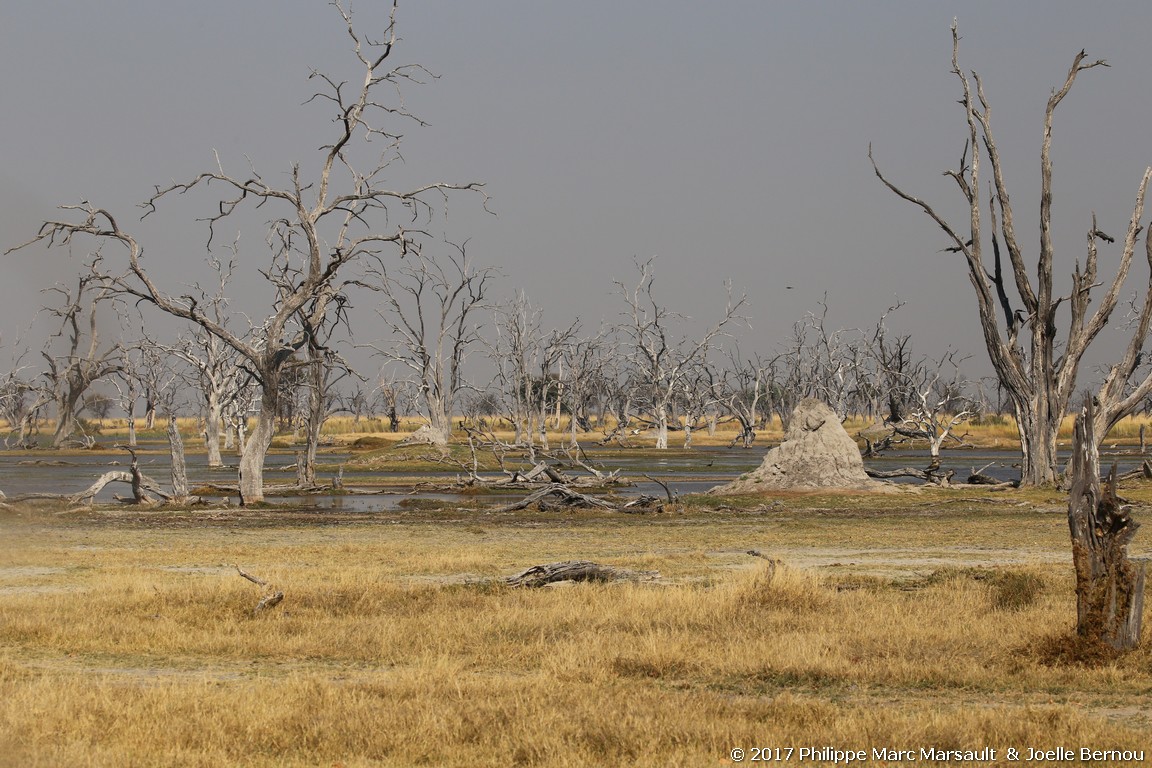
576	570
271	597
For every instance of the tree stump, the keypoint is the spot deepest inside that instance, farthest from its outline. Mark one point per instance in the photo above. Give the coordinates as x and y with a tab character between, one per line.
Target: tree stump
1109	586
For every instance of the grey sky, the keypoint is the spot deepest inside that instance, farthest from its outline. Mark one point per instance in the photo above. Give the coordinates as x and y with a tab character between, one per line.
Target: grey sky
728	138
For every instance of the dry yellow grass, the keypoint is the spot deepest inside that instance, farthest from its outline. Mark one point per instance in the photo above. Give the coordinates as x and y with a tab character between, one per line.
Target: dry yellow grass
129	639
992	432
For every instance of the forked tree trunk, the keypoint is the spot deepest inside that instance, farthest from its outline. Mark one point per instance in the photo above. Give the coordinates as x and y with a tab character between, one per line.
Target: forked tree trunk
1109	586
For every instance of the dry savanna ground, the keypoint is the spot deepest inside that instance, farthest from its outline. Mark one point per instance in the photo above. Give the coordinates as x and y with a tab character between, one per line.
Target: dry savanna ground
937	619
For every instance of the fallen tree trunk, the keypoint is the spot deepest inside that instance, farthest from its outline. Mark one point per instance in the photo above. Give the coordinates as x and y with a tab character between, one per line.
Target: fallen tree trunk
576	570
1143	472
930	475
565	495
139	483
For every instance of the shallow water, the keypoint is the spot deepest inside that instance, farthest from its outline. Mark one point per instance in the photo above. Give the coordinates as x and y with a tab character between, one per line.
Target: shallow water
693	471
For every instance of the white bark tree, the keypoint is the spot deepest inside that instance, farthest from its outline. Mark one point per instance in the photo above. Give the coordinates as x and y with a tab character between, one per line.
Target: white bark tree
742	389
528	362
661	361
937	404
220	381
15	393
430	307
584	382
321	223
1020	313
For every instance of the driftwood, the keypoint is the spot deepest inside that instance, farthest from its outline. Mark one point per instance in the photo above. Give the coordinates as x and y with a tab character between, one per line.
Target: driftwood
979	478
139	483
565	495
576	570
271	597
1143	472
667	491
929	475
641	502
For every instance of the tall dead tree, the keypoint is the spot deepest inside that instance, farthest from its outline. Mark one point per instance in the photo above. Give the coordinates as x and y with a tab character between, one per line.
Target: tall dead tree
324	370
527	360
742	387
585	384
84	359
429	304
1019	313
319	223
218	373
1109	586
661	362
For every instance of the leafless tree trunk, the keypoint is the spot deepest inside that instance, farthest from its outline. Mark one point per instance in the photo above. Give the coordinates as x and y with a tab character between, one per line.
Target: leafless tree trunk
1109	586
932	406
1036	367
324	369
585	366
179	471
324	222
395	393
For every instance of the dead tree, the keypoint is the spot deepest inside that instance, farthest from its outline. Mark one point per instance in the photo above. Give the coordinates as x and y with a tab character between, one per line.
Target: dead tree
1109	586
146	369
324	370
219	374
743	386
220	381
584	361
84	359
527	359
396	395
516	331
661	362
319	224
429	306
179	470
938	405
1018	312
15	408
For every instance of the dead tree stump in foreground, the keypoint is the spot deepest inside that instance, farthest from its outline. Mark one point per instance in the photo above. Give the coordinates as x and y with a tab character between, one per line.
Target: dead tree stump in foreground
1109	586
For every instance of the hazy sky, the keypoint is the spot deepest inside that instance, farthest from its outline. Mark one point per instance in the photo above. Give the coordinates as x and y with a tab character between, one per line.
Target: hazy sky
729	139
